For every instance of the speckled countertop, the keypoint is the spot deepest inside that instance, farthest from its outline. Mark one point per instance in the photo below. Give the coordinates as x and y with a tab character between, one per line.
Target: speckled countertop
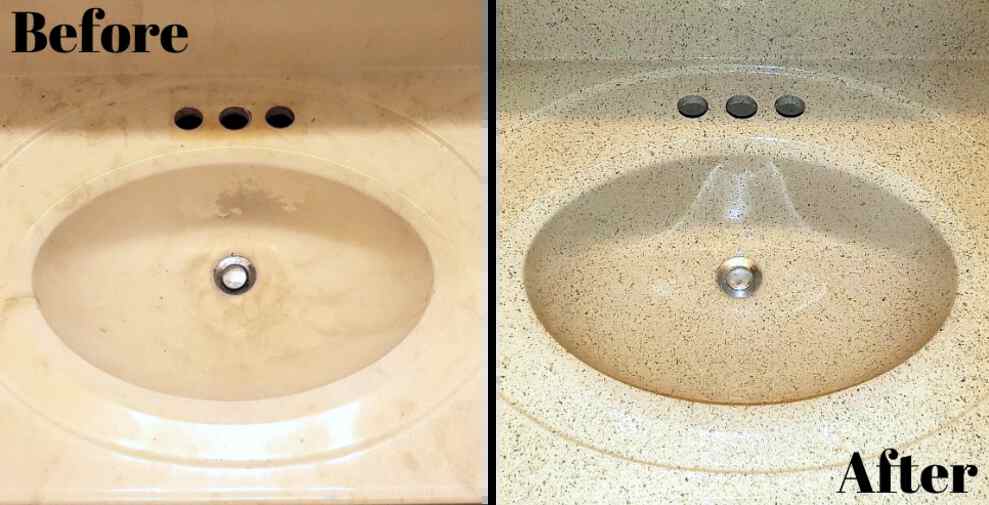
569	432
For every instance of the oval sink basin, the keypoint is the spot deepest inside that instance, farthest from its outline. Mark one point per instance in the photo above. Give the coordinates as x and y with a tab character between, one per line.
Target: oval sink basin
127	282
854	280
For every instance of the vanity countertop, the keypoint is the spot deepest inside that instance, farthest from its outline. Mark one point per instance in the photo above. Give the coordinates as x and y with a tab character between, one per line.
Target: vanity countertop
568	433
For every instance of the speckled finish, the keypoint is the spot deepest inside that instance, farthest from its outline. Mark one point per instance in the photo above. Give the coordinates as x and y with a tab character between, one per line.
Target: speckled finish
622	367
622	277
740	30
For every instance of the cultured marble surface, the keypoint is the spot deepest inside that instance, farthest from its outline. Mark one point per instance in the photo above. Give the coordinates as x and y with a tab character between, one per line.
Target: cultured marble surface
254	404
407	427
740	30
572	429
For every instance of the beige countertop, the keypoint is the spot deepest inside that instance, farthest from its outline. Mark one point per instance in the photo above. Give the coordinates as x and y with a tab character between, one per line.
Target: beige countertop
352	370
918	128
82	427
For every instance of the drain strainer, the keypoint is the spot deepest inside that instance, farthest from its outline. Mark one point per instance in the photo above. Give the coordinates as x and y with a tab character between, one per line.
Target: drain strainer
739	277
234	275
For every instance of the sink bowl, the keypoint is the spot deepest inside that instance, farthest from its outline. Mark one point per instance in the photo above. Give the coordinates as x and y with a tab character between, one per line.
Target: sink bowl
126	281
855	280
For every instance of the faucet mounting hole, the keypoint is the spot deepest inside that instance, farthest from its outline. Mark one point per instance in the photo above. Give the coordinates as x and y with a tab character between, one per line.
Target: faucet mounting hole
188	118
692	106
280	117
235	118
741	106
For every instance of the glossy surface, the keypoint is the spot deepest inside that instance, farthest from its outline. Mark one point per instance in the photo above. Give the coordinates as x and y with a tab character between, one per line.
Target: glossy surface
855	279
575	134
896	101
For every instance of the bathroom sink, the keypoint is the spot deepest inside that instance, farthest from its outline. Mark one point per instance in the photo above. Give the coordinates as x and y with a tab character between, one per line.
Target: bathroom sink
246	272
126	281
709	294
854	279
713	307
259	300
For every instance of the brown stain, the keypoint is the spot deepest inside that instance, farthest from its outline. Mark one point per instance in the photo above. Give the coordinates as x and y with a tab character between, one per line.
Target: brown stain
410	461
250	199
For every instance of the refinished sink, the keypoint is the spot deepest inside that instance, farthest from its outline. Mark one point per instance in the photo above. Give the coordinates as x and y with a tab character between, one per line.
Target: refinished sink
854	279
689	296
739	243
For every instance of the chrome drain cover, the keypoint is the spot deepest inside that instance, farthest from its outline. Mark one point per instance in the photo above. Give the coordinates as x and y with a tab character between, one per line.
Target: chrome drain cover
234	275
739	277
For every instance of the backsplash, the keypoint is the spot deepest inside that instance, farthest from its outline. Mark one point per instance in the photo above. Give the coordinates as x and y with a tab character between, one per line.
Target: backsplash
742	30
264	38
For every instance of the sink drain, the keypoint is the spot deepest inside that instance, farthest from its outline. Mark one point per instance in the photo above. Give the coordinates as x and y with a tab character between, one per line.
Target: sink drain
739	277
234	275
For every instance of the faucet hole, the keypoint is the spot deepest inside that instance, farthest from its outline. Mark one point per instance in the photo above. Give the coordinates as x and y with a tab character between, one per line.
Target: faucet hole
741	106
235	118
188	118
280	117
692	106
790	106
